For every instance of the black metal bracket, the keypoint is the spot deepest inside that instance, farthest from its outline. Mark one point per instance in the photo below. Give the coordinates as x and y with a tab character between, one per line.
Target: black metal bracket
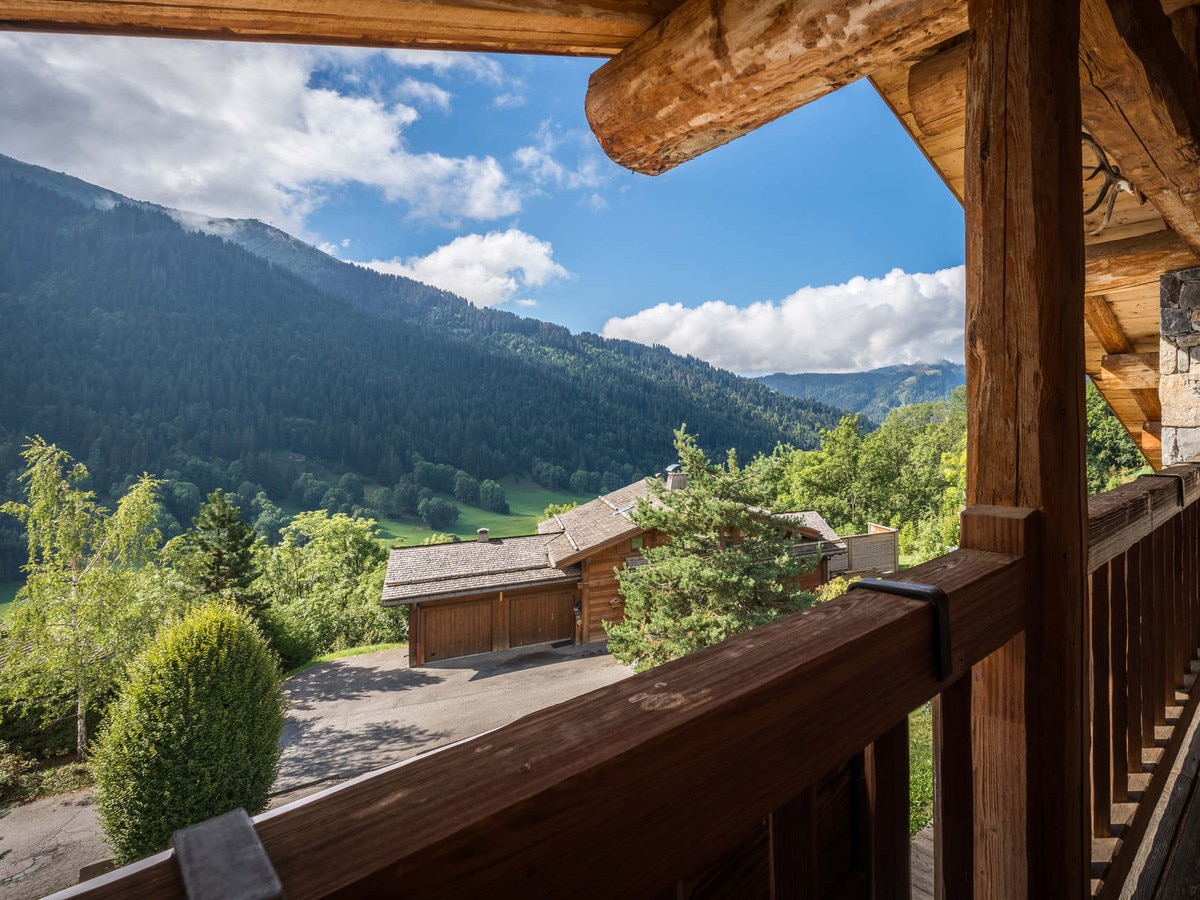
1178	479
942	663
223	859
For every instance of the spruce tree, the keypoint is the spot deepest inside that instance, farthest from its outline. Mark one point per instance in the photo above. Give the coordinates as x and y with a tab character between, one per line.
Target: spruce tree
728	564
220	562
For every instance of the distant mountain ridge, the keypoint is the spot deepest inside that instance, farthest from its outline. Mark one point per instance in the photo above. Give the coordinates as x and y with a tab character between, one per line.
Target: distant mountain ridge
874	393
136	333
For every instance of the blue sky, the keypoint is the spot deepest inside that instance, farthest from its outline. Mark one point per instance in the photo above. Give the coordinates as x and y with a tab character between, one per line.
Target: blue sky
823	241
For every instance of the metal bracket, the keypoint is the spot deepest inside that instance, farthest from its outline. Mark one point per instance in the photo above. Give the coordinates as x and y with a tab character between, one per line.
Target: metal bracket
942	663
223	859
1178	479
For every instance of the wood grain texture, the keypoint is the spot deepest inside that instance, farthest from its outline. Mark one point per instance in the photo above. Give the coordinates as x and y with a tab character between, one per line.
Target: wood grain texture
714	71
1025	367
483	816
953	792
1133	371
1141	101
887	788
1115	265
570	28
793	848
1101	730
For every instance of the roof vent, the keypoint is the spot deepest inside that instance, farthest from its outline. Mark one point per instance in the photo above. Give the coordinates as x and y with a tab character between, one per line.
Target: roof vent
482	535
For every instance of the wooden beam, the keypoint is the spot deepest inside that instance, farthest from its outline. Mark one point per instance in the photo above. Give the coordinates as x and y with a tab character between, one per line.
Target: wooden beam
1133	371
1141	101
569	27
711	72
1151	442
1104	325
1115	265
937	91
1025	433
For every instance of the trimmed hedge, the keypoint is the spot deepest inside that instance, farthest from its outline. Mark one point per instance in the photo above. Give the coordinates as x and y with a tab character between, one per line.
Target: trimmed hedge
194	734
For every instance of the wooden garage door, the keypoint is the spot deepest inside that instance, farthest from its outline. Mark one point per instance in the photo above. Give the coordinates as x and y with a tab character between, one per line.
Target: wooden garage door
456	629
537	618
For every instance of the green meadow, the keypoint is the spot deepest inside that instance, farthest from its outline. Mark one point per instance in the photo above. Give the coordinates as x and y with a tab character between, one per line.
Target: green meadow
526	502
8	591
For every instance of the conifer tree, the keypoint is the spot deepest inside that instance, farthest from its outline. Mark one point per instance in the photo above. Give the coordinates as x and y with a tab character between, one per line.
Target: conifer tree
728	564
220	554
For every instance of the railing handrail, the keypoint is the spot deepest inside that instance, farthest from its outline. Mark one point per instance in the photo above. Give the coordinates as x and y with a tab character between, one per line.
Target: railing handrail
1119	518
693	752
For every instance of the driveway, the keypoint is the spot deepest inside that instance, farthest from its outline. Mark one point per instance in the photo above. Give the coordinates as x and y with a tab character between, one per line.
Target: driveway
347	717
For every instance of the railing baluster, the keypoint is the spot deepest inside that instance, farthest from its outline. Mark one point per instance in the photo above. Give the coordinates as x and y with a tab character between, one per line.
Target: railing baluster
953	792
1137	676
1122	661
1101	719
1151	708
888	795
793	851
1163	620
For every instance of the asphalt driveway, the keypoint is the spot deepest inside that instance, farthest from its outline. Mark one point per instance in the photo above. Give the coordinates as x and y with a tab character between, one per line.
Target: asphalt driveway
347	717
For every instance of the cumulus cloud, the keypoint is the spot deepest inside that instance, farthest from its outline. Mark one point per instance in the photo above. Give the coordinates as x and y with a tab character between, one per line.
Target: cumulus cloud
862	324
412	90
242	130
541	161
487	269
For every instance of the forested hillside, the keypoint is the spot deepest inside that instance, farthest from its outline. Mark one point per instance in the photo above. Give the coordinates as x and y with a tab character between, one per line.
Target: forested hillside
140	346
875	393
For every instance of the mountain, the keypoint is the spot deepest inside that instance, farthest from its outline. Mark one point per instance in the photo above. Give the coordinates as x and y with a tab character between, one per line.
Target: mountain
227	353
872	394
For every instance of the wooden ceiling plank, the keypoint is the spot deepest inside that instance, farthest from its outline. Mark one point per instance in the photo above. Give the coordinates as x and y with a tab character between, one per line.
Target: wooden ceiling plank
580	28
1114	265
1141	101
711	72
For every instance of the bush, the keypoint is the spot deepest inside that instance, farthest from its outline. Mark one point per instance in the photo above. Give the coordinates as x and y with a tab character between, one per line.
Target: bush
194	733
14	766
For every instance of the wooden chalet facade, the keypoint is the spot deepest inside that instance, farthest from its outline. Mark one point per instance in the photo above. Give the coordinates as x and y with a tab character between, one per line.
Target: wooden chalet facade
489	594
560	584
776	763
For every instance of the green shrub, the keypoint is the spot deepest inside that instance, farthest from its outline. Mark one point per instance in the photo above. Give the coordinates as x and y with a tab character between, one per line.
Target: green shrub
194	733
14	766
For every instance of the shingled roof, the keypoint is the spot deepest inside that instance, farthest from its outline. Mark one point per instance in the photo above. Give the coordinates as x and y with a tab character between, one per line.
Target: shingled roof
595	525
444	571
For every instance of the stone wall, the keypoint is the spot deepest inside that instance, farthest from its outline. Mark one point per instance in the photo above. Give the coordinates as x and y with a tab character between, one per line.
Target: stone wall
1179	362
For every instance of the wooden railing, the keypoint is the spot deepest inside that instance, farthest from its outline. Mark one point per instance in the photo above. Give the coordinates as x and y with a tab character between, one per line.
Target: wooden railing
1144	586
774	764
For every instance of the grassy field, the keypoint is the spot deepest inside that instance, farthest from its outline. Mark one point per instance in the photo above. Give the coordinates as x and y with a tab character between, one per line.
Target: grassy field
526	502
8	590
920	768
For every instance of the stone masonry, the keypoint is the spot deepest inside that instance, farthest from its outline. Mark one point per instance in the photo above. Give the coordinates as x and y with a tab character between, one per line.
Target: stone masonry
1179	362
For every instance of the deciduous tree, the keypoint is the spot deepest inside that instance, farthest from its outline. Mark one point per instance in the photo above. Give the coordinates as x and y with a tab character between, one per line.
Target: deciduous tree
79	617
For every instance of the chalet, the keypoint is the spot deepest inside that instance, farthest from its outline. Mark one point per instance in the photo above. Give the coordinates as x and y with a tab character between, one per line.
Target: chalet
559	584
488	594
775	764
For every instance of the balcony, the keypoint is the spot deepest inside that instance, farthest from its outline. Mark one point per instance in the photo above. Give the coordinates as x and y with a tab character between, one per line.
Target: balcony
776	764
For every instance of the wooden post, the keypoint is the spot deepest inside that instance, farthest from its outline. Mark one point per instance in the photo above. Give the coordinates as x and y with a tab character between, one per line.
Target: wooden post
1025	371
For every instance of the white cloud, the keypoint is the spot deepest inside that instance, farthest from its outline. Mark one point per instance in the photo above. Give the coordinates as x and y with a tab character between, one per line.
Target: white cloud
540	161
862	324
424	92
487	269
239	130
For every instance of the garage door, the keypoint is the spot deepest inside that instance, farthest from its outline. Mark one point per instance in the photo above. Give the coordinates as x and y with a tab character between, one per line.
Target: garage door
537	618
456	629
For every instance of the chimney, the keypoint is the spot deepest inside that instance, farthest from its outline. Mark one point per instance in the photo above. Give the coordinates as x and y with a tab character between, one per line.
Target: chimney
676	478
482	535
